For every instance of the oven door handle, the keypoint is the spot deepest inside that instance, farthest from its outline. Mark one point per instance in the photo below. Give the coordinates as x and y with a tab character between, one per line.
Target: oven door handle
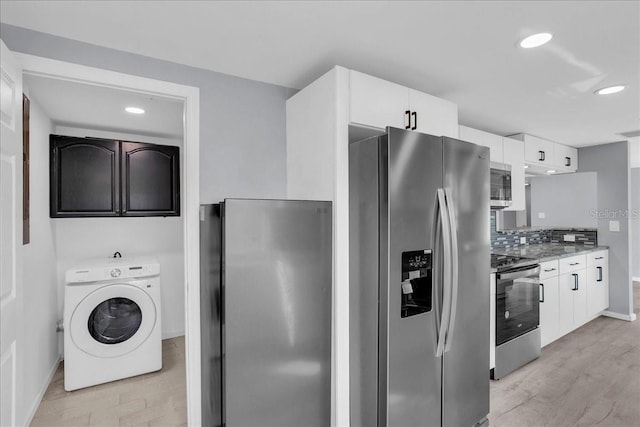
520	274
454	268
446	282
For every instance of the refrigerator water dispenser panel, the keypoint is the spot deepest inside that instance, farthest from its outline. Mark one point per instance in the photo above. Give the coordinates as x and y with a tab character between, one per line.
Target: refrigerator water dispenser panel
416	282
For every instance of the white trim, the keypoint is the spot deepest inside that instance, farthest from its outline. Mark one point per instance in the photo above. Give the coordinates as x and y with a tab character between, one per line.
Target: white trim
628	317
190	95
43	390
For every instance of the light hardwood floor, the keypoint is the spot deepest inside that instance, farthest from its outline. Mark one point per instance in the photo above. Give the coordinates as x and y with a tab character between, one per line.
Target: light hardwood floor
587	378
154	399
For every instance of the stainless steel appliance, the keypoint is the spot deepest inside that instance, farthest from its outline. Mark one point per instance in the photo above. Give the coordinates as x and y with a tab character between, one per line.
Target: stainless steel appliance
419	281
265	292
500	185
517	313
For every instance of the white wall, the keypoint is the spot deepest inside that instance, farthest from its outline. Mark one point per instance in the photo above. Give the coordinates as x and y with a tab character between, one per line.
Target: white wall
40	312
634	152
80	238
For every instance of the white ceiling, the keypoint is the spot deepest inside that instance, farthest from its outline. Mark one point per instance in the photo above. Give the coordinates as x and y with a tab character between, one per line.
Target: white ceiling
100	108
464	51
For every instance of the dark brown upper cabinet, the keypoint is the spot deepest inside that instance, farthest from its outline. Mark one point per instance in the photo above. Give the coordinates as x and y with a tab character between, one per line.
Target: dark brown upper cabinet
105	178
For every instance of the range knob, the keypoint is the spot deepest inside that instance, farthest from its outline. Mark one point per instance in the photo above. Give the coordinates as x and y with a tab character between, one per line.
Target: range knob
116	272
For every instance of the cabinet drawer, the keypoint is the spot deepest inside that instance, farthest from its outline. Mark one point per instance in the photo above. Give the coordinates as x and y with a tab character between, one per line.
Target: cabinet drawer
598	258
548	269
574	263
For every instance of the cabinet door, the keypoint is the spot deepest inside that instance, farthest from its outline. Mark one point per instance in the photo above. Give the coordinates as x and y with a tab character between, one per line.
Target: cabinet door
565	297
549	310
486	139
84	177
538	151
580	309
433	115
565	158
597	289
374	102
514	156
150	180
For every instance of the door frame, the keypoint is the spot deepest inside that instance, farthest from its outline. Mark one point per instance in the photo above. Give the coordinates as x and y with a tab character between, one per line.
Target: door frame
190	193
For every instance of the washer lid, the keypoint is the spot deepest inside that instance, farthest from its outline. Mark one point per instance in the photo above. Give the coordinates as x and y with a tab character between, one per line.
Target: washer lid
113	320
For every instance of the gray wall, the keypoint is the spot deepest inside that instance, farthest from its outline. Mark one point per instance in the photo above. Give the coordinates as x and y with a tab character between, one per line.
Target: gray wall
568	200
611	162
242	122
635	222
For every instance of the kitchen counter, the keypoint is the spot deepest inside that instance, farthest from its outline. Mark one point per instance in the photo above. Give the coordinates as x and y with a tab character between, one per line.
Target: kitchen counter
548	251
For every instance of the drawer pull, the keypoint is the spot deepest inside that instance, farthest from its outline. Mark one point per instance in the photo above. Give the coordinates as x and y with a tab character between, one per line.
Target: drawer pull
547	270
599	257
574	263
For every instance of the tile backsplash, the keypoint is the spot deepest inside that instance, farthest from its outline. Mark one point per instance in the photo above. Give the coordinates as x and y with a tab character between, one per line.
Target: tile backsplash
511	238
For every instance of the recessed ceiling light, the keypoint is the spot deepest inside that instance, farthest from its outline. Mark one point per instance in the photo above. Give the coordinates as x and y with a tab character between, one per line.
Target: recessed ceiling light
535	40
134	110
551	171
609	90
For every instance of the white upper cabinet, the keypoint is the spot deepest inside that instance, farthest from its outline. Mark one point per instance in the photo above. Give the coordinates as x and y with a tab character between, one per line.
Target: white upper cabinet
377	103
566	157
432	115
514	156
486	139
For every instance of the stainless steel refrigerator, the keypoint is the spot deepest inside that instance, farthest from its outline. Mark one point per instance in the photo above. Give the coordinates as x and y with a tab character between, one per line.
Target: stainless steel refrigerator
419	281
265	292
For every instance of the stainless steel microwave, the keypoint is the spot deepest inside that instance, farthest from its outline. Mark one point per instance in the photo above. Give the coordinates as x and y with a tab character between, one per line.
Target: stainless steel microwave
500	185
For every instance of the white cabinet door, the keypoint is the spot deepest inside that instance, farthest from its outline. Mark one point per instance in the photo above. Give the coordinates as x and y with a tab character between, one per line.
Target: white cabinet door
486	139
537	151
549	310
572	292
374	102
597	283
565	158
514	156
580	310
433	115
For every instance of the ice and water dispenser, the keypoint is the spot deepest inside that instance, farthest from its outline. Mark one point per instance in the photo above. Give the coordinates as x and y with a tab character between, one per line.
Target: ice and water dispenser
416	282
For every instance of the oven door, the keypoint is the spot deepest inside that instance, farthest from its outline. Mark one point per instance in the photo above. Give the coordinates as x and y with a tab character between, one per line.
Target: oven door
517	302
500	185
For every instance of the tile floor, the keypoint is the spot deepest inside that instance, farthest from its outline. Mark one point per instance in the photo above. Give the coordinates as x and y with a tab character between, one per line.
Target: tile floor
154	399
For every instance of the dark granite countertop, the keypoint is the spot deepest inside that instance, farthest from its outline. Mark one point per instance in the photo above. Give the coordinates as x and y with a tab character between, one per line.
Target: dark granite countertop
549	251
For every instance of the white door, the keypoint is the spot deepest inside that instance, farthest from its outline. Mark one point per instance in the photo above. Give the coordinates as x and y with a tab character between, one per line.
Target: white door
10	237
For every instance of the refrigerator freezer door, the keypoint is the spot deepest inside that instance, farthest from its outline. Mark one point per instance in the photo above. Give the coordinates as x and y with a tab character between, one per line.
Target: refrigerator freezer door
411	173
466	358
277	313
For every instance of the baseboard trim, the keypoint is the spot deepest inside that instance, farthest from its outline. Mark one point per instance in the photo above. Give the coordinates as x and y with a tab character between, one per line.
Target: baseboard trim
36	403
628	317
172	334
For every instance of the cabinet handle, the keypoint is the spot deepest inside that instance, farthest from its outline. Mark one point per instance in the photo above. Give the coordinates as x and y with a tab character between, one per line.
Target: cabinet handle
415	120
599	274
575	282
408	115
542	292
542	156
567	161
574	263
599	257
549	270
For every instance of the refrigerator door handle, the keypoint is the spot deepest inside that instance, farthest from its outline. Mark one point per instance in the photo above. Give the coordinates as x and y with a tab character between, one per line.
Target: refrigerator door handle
436	236
446	282
454	268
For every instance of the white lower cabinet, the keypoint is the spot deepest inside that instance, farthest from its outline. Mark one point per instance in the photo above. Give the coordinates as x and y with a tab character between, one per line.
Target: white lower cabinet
572	293
597	283
549	310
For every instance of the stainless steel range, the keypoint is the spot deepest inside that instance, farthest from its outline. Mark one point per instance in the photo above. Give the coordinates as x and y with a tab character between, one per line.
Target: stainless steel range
517	313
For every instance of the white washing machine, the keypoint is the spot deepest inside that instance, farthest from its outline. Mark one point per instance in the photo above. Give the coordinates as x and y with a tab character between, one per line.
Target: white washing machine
112	327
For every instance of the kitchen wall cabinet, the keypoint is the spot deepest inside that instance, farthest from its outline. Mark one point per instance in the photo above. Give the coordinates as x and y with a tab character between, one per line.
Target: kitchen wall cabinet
103	178
486	139
572	293
543	155
549	303
597	283
378	103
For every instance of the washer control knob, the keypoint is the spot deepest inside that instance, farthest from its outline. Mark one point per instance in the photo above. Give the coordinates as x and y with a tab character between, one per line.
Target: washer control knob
116	272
